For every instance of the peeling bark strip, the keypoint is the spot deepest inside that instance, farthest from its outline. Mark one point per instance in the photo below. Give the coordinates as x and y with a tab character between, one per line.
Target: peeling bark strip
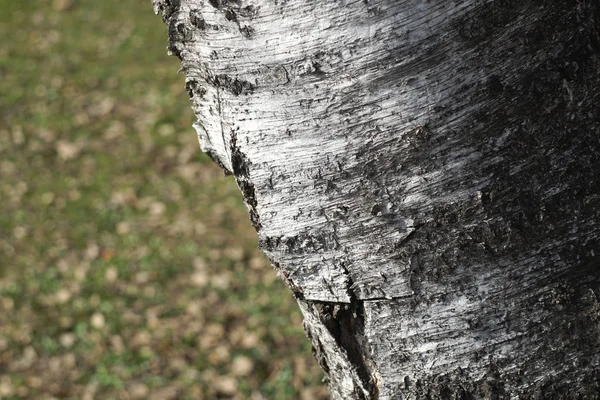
424	174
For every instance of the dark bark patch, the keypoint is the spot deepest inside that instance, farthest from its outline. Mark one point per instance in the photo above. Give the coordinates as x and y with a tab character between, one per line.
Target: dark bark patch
194	89
377	210
248	11
234	5
316	66
341	212
485	21
456	385
196	20
308	68
571	321
230	15
247	31
495	85
233	85
215	3
183	32
234	12
167	8
345	322
242	13
217	161
240	166
179	33
304	243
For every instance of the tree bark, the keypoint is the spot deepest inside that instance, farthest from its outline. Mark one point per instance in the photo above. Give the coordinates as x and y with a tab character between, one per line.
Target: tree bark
425	176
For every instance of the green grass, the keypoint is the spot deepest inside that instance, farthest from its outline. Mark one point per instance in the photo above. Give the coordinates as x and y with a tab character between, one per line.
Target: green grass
128	267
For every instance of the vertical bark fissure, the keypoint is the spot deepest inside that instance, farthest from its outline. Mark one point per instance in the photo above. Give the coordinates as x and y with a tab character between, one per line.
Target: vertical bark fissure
344	356
240	166
351	336
346	323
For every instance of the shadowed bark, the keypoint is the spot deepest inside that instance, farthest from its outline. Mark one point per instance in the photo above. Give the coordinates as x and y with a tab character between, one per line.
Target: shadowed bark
425	176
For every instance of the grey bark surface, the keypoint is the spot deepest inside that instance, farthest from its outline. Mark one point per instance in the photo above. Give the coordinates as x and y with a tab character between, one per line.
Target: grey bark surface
425	176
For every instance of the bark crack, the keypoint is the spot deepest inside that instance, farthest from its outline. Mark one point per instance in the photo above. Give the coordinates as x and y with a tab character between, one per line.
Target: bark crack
346	323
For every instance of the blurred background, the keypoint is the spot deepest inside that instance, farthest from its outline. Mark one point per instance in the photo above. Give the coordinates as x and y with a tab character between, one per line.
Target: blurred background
128	266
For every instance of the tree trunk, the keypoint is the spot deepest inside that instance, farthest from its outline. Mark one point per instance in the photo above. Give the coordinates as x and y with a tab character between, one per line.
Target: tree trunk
425	176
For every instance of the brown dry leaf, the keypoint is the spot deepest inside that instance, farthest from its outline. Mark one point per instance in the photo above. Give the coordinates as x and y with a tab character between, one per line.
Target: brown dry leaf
6	387
200	264
220	355
141	338
258	263
90	390
3	344
115	130
92	251
199	279
235	253
111	275
226	385
117	344
102	108
188	172
157	208
123	228
7	168
212	334
35	382
193	308
19	232
221	281
98	321
68	150
319	392
166	130
168	393
26	361
186	154
242	366
62	296
67	340
122	198
47	135
250	340
107	254
299	371
138	391
63	5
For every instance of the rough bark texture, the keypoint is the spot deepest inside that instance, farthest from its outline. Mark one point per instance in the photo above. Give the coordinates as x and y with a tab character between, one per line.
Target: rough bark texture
424	174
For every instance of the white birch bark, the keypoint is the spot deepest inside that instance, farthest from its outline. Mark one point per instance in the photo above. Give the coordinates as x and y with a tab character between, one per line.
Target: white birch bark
425	176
